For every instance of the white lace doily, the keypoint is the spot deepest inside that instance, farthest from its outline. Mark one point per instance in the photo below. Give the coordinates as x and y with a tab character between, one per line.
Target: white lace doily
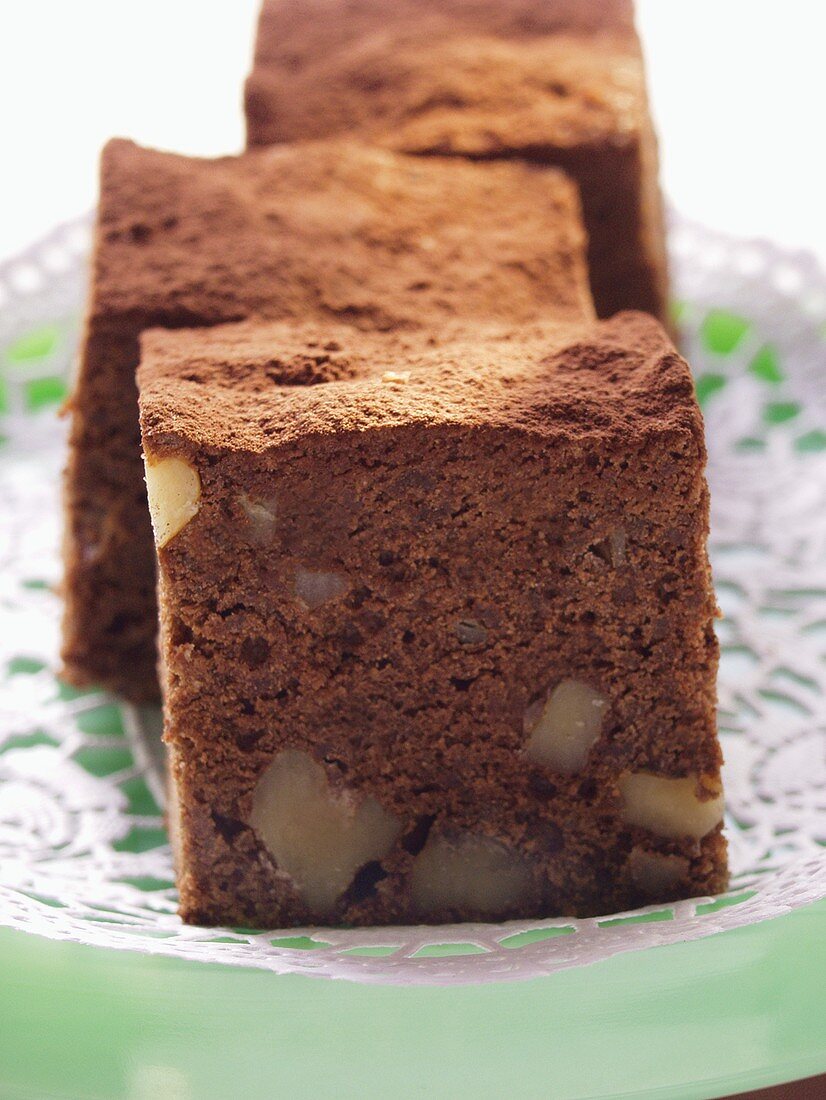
83	855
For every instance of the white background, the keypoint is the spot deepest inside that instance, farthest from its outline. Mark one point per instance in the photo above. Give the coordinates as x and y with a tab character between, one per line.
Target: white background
739	89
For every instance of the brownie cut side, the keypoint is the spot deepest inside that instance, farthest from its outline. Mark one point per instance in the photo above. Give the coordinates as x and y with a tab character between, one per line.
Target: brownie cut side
331	230
437	623
545	81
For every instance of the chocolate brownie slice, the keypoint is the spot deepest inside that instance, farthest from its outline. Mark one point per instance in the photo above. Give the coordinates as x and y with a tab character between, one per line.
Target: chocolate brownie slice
437	623
328	230
551	82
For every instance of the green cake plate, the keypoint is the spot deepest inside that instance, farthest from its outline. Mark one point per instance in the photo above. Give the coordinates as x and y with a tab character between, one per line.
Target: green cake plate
105	994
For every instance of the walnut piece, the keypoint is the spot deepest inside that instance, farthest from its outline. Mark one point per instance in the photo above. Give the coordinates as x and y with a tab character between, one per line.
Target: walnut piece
470	632
261	519
318	837
315	588
654	873
612	549
468	873
174	810
672	807
564	730
618	541
174	491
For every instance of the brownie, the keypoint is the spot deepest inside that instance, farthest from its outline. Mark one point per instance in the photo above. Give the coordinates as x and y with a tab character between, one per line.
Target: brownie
437	621
552	82
329	230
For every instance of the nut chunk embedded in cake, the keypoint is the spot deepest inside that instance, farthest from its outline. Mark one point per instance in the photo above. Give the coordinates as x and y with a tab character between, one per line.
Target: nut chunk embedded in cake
438	648
330	230
552	82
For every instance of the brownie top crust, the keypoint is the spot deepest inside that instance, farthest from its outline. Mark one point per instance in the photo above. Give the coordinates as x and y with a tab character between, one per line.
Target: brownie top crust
336	231
460	79
294	30
244	387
